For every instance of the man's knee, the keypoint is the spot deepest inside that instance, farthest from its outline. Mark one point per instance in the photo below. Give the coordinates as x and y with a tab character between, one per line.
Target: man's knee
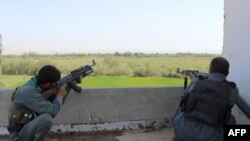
36	128
45	120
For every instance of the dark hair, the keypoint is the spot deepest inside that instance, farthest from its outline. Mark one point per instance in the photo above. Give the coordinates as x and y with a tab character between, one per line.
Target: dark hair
48	74
219	65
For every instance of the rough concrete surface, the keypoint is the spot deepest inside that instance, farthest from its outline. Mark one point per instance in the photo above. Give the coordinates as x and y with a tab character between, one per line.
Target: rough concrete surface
110	109
163	134
102	105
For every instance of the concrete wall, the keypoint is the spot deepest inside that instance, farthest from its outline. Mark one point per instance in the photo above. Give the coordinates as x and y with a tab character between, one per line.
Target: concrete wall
236	47
105	105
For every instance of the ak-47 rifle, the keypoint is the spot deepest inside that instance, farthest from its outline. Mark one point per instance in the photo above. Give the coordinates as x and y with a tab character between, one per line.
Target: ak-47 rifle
191	74
70	80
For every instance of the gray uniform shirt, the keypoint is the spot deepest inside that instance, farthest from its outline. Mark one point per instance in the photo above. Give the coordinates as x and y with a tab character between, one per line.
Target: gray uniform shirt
29	96
191	130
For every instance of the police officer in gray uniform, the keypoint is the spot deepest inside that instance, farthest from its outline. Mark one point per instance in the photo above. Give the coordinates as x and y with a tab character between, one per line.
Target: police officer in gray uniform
206	105
30	114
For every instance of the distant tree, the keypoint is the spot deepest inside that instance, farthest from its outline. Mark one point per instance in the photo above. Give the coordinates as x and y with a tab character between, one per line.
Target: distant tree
127	54
117	54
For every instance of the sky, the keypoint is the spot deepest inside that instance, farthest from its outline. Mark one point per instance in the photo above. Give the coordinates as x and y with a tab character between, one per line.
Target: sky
108	26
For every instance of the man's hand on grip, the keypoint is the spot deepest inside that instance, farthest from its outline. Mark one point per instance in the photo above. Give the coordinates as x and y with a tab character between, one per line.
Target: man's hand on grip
62	92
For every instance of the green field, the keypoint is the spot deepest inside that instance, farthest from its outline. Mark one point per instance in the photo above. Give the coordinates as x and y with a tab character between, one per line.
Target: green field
112	70
11	81
108	64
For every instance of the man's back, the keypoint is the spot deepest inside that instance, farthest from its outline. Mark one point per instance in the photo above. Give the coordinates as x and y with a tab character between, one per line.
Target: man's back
209	102
187	128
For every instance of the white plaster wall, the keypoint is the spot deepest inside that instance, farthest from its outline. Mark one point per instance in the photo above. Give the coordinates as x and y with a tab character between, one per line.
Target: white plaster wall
236	46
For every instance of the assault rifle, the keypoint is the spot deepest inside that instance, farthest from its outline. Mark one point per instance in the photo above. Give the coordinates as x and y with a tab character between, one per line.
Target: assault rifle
191	74
70	80
241	103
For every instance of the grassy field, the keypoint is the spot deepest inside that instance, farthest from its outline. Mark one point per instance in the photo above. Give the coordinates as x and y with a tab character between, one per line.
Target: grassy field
124	81
107	64
12	81
111	70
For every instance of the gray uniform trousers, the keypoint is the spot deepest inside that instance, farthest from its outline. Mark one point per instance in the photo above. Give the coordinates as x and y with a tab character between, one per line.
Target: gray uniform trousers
35	130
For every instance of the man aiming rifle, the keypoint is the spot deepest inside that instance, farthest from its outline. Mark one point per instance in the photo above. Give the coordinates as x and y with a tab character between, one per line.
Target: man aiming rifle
39	100
241	103
206	104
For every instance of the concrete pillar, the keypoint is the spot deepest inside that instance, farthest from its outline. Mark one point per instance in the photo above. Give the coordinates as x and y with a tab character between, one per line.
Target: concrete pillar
236	48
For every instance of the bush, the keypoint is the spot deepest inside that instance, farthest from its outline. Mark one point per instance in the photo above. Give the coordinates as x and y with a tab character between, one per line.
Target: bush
23	66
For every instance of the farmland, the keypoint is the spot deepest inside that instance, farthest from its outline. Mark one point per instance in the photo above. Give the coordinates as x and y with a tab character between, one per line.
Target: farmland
112	70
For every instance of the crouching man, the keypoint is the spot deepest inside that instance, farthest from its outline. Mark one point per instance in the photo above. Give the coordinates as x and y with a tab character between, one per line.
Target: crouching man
30	115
